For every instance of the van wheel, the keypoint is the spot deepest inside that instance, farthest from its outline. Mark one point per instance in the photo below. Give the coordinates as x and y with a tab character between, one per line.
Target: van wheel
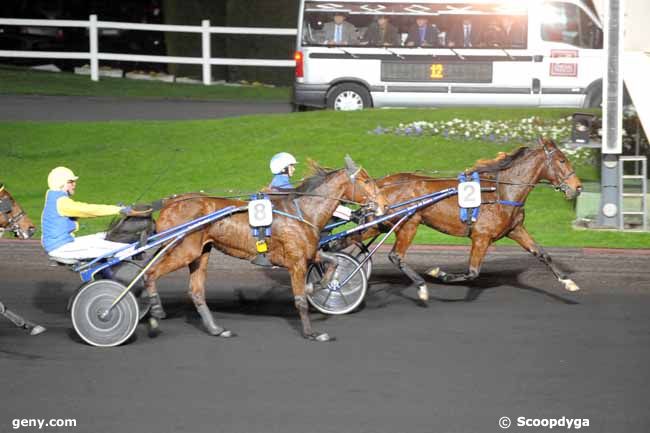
348	97
594	98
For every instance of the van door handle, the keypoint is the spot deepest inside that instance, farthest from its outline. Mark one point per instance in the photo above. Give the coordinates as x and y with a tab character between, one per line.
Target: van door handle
536	85
538	58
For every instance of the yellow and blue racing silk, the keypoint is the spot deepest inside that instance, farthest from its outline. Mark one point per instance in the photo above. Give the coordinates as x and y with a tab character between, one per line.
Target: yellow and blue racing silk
57	220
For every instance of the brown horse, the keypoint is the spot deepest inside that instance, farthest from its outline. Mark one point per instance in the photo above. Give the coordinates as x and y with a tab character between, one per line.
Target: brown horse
14	219
12	216
293	243
513	177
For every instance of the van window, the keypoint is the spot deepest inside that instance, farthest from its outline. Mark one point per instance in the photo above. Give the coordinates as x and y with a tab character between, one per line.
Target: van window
412	25
569	24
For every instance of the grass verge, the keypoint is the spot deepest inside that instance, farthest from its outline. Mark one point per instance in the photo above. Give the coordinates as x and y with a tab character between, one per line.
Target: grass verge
19	81
129	161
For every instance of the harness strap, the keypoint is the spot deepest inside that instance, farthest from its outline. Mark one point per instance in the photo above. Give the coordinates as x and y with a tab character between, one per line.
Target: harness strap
294	217
510	203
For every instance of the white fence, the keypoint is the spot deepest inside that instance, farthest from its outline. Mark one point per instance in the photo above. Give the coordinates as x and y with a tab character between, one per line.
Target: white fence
94	56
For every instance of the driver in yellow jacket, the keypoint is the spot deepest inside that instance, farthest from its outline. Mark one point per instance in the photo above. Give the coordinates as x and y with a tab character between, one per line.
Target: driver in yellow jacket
59	220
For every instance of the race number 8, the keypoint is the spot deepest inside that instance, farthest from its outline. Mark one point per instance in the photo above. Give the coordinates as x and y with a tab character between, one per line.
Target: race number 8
469	194
260	213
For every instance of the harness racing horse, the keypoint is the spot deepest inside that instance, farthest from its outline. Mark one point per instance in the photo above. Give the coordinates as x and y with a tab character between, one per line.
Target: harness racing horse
12	216
513	176
292	245
14	219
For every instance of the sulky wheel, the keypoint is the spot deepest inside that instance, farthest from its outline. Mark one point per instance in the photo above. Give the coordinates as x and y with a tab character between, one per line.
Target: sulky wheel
124	272
95	298
359	251
332	298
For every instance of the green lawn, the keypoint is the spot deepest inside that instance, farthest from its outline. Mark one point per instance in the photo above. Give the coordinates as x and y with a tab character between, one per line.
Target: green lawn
27	82
127	161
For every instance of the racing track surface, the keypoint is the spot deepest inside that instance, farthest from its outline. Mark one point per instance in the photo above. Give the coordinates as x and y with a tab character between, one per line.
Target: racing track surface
512	344
80	108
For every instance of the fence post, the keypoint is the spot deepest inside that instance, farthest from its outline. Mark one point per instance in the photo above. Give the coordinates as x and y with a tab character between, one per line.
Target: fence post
205	44
94	59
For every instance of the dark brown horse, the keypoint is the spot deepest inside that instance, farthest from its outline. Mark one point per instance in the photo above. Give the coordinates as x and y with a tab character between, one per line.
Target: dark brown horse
513	176
14	219
293	243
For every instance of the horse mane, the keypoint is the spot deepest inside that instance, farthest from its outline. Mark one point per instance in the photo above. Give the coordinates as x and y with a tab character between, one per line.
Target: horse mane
501	162
317	175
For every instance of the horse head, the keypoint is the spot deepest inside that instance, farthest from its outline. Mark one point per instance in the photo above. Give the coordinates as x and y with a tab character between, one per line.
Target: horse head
12	216
558	170
363	189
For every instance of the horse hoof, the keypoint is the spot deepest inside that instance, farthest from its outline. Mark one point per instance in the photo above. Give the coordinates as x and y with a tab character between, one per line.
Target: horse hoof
436	273
423	293
320	337
38	329
570	285
154	327
226	333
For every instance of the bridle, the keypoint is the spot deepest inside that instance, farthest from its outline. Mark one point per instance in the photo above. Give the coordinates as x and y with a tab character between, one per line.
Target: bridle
561	184
12	221
371	206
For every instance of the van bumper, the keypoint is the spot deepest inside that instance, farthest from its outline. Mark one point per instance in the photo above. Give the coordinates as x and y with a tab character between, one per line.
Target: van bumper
311	95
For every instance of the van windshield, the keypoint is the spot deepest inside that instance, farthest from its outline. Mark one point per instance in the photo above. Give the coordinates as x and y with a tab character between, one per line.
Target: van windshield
569	24
410	25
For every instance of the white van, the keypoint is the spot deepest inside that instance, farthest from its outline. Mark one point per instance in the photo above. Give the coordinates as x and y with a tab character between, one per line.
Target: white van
446	53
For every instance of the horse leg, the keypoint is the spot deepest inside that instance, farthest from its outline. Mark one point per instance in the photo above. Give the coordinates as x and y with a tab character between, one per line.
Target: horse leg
520	235
298	272
404	237
331	263
20	321
480	245
198	274
166	264
156	311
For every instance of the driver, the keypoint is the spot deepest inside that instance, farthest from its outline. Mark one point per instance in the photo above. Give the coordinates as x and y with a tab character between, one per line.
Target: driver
283	166
59	220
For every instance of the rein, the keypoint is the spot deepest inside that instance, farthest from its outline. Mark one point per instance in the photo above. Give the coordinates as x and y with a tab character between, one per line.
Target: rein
270	193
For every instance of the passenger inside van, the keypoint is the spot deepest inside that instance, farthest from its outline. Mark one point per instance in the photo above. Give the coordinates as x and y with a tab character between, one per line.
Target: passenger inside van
339	31
382	33
513	32
464	33
422	34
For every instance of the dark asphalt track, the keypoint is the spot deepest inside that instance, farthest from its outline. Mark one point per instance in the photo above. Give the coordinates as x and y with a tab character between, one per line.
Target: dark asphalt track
512	344
78	108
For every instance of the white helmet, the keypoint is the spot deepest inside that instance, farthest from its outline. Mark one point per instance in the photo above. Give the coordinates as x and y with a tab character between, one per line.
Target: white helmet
58	177
280	161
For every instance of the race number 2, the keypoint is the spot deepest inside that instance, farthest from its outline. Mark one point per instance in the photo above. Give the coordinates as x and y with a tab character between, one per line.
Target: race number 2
260	213
469	194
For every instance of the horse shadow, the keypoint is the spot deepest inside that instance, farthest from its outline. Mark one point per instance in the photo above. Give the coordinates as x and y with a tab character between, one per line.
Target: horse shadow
393	286
275	301
52	297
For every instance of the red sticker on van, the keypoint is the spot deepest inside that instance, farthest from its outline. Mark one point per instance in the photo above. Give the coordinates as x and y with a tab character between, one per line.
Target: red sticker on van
564	69
564	53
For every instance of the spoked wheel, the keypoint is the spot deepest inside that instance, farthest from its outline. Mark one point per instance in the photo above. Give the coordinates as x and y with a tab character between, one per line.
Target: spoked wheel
359	251
124	273
96	298
332	298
